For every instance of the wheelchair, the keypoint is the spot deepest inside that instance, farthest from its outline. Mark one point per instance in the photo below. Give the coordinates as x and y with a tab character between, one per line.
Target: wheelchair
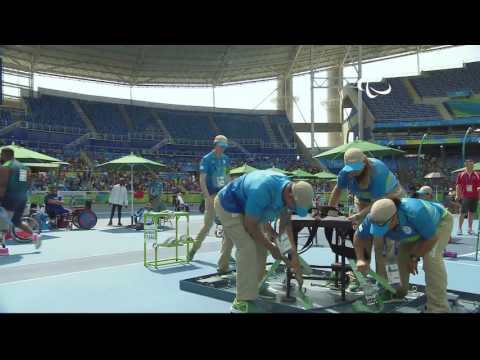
9	231
81	216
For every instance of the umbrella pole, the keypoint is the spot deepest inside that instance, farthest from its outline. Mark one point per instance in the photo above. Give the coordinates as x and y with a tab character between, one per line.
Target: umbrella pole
131	186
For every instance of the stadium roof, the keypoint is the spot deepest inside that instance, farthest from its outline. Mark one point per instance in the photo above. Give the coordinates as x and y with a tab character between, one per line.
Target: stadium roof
201	65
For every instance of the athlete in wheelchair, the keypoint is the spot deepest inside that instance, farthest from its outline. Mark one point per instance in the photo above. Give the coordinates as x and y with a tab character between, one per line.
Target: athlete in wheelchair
81	216
59	216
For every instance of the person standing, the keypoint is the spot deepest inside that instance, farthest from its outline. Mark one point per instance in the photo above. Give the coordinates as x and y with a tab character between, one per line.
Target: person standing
214	175
118	198
467	185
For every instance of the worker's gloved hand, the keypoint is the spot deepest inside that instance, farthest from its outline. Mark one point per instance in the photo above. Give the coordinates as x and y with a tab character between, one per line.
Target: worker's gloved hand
363	266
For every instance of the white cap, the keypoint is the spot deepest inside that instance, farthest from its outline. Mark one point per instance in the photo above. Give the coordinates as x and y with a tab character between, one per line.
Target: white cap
425	190
354	160
302	193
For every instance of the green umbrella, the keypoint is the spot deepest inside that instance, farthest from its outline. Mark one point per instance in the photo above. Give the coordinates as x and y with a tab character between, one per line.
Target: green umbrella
476	167
279	171
131	162
301	174
244	169
367	147
325	175
25	155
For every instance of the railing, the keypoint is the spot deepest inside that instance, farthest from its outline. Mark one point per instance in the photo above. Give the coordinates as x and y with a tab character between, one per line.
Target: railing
150	135
53	128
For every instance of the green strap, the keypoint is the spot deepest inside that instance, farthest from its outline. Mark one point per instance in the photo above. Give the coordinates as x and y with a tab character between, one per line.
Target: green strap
361	278
359	306
307	270
307	302
383	282
270	272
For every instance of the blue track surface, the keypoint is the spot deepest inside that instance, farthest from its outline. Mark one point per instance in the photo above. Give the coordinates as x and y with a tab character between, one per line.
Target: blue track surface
102	271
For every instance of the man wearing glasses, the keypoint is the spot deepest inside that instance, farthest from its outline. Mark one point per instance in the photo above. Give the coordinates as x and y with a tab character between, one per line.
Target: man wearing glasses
418	229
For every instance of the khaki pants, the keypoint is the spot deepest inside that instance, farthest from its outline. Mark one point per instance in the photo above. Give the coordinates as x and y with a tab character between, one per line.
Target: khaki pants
227	245
251	257
434	267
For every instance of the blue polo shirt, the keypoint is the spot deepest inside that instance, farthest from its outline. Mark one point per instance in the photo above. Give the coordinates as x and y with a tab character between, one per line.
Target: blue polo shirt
417	220
382	182
216	170
257	194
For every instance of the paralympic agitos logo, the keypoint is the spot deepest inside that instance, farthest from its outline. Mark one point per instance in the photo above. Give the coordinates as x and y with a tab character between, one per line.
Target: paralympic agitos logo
369	90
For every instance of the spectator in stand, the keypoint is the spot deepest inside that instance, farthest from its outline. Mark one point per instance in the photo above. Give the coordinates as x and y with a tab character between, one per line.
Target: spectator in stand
467	185
118	198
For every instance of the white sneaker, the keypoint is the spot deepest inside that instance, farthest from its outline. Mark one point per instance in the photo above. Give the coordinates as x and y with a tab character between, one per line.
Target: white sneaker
470	232
459	232
37	240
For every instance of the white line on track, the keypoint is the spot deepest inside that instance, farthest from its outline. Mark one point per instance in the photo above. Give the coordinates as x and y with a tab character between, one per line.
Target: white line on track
68	273
473	253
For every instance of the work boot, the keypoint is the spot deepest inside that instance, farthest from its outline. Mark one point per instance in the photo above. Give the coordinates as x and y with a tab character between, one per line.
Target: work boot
243	307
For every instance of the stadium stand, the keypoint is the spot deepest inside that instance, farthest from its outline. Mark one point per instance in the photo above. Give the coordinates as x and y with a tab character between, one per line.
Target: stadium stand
191	131
441	83
144	120
53	111
398	104
105	117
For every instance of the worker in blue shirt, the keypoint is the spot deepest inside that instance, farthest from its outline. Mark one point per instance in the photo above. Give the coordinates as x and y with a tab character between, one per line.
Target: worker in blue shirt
368	179
418	229
214	175
246	207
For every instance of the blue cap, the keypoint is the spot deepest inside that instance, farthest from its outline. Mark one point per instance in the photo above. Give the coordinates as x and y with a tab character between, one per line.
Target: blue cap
222	144
379	230
302	212
354	167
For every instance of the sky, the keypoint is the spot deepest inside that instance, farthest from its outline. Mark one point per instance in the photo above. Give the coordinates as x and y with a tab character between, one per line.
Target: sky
262	95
